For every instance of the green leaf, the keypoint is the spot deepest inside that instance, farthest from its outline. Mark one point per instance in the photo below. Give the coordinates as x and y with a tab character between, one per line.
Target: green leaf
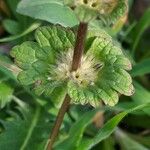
141	96
112	77
109	12
35	58
112	96
141	68
13	7
49	60
78	95
108	144
119	11
124	81
139	29
28	77
24	134
123	62
109	127
6	92
141	139
58	94
12	26
126	142
75	140
46	55
31	28
125	87
40	66
24	54
76	132
48	10
8	68
57	38
23	21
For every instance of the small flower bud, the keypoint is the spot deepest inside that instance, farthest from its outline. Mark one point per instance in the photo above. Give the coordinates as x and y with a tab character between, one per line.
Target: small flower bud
87	10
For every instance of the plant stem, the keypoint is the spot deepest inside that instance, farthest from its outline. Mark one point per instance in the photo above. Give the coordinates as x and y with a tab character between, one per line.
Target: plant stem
78	52
79	46
58	121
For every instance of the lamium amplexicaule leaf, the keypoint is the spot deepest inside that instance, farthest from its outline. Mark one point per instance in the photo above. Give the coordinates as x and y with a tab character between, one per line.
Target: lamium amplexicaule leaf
46	65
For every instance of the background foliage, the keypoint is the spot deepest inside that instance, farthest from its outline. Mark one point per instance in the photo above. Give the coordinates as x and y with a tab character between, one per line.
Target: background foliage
26	120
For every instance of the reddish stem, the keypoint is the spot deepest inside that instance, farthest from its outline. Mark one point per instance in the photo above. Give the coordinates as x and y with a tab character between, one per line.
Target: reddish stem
77	56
